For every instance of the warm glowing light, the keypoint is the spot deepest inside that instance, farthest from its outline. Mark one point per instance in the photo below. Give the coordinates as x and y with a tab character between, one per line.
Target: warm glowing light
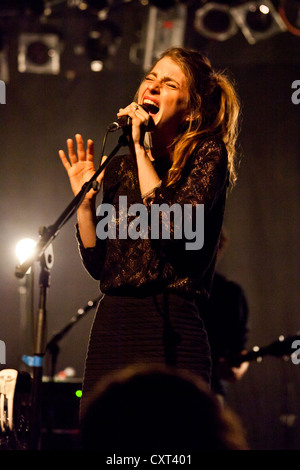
96	65
264	9
24	248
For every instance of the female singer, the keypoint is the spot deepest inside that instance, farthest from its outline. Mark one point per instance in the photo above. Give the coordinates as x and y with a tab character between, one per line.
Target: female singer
148	314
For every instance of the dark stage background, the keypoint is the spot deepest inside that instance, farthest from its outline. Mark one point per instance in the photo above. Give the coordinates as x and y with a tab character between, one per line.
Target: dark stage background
262	216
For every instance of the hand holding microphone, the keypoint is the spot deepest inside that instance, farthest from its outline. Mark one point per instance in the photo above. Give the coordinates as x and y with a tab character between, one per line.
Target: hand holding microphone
126	115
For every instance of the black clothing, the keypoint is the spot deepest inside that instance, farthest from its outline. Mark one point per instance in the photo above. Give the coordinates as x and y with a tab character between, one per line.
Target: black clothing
146	266
163	329
226	321
134	274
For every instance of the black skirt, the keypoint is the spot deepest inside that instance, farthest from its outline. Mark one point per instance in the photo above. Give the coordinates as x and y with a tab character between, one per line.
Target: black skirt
163	329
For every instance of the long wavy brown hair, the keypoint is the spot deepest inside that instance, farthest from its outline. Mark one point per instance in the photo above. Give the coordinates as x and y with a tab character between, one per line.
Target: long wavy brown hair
213	108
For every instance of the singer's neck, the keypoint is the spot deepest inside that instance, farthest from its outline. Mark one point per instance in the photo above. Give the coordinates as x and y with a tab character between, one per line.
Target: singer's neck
160	147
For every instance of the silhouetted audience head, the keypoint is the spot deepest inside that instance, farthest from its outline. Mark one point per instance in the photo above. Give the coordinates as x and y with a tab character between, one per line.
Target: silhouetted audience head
155	408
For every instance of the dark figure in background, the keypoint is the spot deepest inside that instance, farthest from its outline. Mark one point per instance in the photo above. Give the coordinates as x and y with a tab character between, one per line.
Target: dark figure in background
226	321
158	409
148	313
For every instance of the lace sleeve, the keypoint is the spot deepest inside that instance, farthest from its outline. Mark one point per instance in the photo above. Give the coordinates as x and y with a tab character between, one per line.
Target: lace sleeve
202	183
90	257
203	180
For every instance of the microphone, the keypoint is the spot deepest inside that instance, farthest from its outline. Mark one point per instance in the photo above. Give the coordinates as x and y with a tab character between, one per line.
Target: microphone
125	121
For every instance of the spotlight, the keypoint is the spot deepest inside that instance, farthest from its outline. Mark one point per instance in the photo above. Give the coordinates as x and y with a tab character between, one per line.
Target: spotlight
258	20
24	249
39	53
102	43
214	21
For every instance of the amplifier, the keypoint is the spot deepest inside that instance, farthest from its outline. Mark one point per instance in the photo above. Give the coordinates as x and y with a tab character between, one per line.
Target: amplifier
60	414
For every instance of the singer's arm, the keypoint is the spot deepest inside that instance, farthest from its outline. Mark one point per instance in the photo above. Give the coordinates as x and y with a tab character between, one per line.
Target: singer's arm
86	217
148	178
80	169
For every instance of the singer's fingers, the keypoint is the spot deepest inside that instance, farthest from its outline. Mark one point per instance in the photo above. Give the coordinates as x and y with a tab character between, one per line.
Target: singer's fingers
64	159
71	151
90	150
80	147
129	110
134	110
142	115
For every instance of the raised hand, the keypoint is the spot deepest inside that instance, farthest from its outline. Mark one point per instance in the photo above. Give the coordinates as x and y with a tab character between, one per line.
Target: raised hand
80	167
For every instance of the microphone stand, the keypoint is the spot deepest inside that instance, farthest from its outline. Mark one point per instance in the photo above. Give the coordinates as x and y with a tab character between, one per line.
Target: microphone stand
53	348
47	235
51	232
52	345
46	262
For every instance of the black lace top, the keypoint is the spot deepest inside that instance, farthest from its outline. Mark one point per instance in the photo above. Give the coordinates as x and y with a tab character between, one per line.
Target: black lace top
143	266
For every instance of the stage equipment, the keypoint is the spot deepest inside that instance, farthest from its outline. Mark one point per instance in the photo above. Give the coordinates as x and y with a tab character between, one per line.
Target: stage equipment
103	41
15	389
26	286
52	345
44	254
164	29
214	21
258	20
39	53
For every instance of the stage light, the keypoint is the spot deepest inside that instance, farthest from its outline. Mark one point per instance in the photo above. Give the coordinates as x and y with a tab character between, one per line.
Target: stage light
39	53
258	20
164	29
214	21
24	248
103	42
97	65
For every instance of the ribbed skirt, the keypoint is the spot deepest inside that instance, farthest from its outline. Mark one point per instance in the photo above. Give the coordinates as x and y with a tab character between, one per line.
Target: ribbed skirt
163	329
